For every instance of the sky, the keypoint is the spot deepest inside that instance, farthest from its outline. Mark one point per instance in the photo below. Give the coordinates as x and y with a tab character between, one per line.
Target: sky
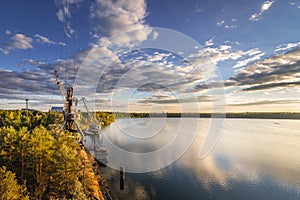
217	55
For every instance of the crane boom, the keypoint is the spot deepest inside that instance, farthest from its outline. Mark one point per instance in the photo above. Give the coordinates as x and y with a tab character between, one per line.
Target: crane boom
61	87
88	110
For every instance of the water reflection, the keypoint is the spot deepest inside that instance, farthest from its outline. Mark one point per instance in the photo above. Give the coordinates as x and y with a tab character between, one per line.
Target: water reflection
157	146
254	159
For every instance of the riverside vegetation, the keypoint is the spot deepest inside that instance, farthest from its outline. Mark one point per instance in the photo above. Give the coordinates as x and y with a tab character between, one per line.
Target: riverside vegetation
38	163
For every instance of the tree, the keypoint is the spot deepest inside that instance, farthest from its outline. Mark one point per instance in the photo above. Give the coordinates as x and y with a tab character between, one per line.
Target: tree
9	187
40	152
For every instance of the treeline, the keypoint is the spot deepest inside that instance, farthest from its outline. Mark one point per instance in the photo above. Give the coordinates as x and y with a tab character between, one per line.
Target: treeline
120	115
38	163
103	118
19	118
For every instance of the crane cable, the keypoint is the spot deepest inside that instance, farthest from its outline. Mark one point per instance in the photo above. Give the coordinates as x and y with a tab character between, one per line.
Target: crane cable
68	14
66	11
74	39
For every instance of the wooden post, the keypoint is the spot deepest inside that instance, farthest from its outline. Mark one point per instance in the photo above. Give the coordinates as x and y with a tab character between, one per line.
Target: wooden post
122	177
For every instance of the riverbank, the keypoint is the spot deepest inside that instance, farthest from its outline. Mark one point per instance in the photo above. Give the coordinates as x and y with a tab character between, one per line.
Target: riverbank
94	167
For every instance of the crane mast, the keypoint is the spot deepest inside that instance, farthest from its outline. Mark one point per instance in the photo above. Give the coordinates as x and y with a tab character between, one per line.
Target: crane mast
61	87
69	114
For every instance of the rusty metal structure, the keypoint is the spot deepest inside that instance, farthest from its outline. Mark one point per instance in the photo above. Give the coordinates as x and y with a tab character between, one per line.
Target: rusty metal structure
69	107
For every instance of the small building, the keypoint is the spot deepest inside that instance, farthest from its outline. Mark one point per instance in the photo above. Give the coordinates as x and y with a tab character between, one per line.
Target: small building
29	109
57	108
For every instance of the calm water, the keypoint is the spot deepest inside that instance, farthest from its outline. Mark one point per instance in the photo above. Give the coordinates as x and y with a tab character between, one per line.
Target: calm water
254	159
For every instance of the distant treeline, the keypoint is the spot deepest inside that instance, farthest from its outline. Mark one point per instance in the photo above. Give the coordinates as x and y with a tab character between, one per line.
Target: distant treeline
257	115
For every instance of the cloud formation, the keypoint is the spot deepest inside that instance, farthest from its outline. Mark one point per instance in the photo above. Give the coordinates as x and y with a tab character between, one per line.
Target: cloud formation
21	41
266	102
264	7
43	39
165	99
254	56
37	83
286	47
271	73
229	25
16	42
32	62
111	17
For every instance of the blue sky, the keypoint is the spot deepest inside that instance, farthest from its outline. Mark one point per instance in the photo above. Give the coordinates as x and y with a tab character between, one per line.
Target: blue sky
254	45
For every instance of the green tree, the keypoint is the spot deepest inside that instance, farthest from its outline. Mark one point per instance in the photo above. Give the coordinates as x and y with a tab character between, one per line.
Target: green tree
8	139
65	164
41	153
9	187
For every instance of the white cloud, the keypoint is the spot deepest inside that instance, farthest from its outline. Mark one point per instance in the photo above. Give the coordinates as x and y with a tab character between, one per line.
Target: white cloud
60	15
32	62
230	26
4	51
126	17
227	26
252	52
7	32
280	71
187	20
289	46
111	17
208	57
198	10
21	41
249	60
225	47
43	39
158	57
264	7
220	23
292	3
62	43
209	42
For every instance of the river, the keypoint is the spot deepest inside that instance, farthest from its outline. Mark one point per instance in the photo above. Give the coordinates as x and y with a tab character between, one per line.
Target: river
253	159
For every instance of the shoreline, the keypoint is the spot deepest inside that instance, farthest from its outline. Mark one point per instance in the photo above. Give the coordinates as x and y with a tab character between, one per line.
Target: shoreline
104	186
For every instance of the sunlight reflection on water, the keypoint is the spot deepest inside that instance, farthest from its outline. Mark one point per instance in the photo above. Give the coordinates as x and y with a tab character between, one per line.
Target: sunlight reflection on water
254	159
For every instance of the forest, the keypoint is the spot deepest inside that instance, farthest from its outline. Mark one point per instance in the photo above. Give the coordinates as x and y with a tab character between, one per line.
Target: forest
38	162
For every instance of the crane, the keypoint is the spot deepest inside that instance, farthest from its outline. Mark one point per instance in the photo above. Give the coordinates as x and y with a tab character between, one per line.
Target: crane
94	128
91	117
91	138
69	111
